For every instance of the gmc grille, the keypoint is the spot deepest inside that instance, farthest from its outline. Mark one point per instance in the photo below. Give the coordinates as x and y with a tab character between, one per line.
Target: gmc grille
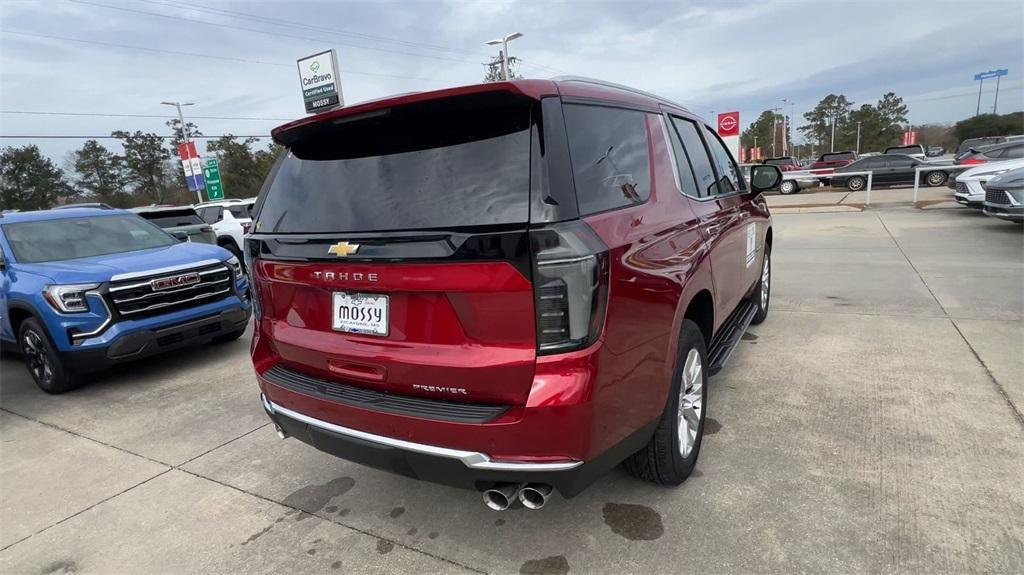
997	197
137	298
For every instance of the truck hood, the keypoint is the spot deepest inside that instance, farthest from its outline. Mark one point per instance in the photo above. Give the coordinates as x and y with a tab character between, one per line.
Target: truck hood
101	268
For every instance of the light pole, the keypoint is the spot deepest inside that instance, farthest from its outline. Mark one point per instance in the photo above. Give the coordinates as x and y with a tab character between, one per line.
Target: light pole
184	132
786	120
833	143
504	51
858	137
755	147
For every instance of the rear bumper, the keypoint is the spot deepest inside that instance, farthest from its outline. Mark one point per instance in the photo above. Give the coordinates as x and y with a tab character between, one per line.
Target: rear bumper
444	465
147	342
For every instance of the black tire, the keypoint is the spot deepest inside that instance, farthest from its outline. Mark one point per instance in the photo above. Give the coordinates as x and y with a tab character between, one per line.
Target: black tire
856	183
762	295
232	336
935	179
231	247
41	359
661	461
789	187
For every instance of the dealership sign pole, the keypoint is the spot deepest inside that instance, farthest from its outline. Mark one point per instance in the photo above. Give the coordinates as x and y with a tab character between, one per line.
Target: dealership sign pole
320	82
729	129
192	167
980	79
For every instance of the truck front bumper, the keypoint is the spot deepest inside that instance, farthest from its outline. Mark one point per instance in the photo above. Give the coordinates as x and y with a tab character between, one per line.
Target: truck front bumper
146	342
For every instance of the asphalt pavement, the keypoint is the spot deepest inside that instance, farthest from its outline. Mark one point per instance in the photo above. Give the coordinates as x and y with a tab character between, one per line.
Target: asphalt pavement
872	424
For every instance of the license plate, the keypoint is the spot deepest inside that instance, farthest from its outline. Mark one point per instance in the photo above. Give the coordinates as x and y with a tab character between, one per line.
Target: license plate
360	313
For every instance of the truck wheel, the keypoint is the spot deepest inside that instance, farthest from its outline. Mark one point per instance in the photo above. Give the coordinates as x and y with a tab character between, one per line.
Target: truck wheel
934	179
788	187
763	292
41	359
671	455
231	247
856	183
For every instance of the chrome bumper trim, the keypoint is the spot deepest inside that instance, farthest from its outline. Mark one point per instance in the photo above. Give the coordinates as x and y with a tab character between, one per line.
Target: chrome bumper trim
471	459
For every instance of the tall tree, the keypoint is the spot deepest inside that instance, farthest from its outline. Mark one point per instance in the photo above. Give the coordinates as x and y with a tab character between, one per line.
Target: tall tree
989	125
101	173
242	169
29	180
832	110
147	165
766	130
176	138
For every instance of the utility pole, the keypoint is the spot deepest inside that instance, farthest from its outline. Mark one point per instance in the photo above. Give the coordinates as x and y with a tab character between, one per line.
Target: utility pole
755	145
184	133
504	40
858	137
786	121
833	143
977	110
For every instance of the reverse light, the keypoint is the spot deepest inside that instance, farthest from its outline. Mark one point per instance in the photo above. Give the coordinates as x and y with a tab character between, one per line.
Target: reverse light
68	298
570	279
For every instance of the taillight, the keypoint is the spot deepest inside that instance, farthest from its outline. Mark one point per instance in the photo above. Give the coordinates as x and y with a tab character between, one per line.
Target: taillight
205	229
246	226
570	286
250	257
970	161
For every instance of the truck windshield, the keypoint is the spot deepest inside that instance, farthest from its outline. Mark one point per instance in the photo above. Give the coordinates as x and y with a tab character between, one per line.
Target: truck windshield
72	238
440	164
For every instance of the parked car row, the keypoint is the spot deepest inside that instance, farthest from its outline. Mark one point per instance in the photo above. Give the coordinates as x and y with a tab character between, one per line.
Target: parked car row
990	188
889	170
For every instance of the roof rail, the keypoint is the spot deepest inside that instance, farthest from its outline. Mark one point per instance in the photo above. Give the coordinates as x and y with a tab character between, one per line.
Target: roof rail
595	81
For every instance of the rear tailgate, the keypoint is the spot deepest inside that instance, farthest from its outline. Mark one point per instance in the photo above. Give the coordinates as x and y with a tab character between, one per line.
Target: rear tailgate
391	252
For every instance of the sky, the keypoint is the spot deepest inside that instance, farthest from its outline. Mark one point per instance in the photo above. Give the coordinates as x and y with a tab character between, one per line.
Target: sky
236	60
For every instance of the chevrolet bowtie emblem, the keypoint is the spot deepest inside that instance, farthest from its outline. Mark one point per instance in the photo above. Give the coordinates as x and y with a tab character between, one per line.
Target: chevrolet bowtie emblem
343	249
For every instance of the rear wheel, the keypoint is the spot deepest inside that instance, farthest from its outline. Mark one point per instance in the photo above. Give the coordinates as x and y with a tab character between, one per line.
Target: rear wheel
936	178
856	183
671	455
41	359
789	187
763	291
231	247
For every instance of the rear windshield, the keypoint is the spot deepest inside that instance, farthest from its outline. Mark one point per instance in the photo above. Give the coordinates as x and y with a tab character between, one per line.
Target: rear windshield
838	156
440	164
240	211
903	150
71	238
173	219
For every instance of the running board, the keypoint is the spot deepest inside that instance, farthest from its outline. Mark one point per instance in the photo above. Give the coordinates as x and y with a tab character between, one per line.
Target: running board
728	337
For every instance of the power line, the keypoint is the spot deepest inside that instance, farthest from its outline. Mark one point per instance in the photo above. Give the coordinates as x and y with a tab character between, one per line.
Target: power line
302	26
159	116
199	55
257	31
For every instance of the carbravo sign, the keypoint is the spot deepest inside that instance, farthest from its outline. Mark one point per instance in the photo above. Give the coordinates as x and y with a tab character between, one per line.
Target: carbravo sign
321	86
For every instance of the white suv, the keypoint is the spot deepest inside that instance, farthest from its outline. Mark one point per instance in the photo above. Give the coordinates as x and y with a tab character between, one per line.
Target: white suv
969	184
230	220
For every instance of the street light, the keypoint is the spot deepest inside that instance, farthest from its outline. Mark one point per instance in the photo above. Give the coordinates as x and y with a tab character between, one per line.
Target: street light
504	51
184	133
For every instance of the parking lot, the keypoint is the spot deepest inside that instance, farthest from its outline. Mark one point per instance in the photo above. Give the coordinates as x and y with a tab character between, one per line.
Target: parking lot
872	424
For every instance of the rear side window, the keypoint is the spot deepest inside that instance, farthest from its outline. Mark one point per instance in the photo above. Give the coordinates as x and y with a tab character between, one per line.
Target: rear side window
210	215
693	151
610	160
729	177
461	161
899	161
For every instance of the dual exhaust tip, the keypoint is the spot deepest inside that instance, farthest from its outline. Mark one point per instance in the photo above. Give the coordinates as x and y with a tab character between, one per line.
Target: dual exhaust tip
503	495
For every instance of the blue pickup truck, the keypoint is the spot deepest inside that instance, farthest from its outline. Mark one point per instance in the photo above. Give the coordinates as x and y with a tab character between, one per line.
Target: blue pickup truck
85	288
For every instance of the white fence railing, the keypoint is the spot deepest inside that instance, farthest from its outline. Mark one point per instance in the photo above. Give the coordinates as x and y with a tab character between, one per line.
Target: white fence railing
939	168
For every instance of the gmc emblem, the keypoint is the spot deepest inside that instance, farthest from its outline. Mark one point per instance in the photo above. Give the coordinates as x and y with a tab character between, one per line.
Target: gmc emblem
174	281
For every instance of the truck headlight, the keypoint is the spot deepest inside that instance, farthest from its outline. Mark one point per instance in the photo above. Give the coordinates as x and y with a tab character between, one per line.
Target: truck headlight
69	298
235	265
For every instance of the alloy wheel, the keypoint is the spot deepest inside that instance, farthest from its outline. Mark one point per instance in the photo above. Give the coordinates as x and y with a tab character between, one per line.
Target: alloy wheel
765	278
691	402
36	357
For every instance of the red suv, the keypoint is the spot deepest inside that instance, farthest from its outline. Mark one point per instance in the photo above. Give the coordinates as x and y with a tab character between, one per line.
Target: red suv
509	287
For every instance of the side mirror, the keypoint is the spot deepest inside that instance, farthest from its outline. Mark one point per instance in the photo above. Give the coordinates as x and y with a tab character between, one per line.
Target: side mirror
180	235
764	177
